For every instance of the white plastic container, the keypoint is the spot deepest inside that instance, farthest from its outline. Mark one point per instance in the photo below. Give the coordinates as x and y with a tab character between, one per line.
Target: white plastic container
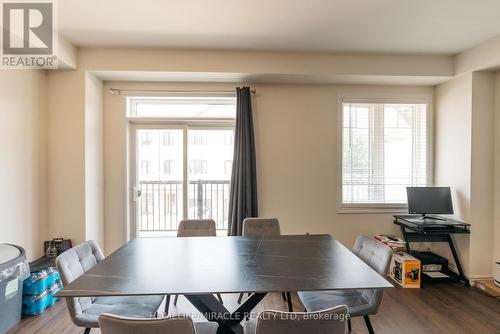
13	271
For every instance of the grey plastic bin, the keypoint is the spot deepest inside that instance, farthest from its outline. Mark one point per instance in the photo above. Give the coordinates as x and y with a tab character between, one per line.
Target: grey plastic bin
13	271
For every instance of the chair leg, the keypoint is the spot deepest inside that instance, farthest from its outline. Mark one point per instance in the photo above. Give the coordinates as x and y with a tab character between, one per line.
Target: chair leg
289	300
349	327
284	296
240	298
175	299
368	324
87	330
167	305
220	298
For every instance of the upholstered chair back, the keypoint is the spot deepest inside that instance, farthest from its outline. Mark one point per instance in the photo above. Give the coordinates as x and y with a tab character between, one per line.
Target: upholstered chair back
113	324
330	321
258	227
378	256
196	228
72	264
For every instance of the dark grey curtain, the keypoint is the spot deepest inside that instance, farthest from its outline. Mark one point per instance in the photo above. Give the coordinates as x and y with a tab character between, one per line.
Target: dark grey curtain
243	193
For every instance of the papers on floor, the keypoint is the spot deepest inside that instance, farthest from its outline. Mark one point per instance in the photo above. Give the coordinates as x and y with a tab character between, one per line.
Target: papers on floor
435	274
396	244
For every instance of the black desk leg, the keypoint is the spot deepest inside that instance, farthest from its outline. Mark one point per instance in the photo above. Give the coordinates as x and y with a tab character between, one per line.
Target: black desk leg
407	245
213	310
457	261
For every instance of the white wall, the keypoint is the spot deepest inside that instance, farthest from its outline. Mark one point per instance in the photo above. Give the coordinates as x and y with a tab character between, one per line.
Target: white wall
297	159
485	56
66	110
94	198
283	65
66	155
482	174
464	139
496	227
309	109
23	148
452	154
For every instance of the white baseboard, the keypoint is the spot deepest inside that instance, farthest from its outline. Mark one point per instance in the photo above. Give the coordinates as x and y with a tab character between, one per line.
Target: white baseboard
480	278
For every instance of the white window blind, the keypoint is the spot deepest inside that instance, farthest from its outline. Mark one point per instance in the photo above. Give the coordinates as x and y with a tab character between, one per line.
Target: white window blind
384	150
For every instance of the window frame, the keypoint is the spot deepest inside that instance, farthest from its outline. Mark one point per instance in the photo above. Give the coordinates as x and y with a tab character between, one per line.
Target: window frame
360	97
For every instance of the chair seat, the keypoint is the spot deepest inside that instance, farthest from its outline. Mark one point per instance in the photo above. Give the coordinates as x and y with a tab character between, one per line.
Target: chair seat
206	327
357	305
250	326
136	307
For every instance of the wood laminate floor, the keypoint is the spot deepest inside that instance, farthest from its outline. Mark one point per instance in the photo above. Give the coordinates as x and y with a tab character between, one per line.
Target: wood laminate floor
437	308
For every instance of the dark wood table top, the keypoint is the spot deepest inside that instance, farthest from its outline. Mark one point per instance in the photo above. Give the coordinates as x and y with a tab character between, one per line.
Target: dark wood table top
205	265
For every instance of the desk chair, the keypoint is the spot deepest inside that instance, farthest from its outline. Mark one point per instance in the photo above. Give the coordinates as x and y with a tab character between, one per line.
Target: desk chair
84	311
197	228
258	227
330	321
113	324
363	302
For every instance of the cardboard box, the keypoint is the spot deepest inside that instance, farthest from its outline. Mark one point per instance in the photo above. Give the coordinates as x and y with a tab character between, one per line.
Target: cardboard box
488	287
405	270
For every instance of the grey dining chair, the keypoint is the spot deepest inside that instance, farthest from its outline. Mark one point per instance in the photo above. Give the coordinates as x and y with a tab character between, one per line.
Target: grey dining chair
363	302
197	228
84	311
329	321
113	324
257	227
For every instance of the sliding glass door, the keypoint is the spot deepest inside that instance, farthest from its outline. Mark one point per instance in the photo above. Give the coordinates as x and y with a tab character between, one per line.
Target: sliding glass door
179	172
210	160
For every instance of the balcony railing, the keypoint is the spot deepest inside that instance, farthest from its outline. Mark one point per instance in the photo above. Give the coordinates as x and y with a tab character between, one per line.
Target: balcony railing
161	203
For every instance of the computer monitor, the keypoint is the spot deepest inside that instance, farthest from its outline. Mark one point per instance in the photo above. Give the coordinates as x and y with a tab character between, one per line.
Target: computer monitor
429	200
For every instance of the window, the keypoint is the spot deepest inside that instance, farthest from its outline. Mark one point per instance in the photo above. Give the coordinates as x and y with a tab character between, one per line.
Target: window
176	144
170	199
169	138
168	167
178	107
229	139
145	167
198	138
146	139
147	203
384	149
198	167
228	167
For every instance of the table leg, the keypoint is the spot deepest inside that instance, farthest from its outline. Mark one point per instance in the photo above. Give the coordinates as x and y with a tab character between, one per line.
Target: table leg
407	246
457	261
213	310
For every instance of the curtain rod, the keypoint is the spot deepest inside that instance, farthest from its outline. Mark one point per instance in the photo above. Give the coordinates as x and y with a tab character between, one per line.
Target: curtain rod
118	91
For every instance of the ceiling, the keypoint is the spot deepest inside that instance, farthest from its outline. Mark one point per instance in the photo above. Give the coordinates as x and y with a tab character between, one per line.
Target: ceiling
379	26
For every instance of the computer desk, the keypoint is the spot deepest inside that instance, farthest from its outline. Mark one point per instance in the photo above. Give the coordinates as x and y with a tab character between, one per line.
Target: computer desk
417	229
